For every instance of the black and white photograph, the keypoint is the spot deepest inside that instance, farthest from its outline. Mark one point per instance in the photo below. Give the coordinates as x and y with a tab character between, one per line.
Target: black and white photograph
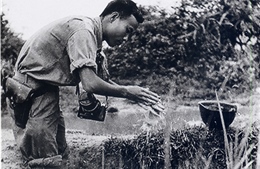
130	84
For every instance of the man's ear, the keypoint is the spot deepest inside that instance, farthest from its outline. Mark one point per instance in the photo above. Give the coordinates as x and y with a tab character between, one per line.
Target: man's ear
114	16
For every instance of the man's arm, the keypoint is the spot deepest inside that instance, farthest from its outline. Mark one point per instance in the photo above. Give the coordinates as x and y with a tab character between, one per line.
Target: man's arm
93	84
112	82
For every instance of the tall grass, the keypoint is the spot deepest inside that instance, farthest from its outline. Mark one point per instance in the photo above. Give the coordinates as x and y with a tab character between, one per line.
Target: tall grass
237	154
224	130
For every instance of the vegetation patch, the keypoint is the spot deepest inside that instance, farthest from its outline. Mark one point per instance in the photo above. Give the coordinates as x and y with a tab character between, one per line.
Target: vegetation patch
195	147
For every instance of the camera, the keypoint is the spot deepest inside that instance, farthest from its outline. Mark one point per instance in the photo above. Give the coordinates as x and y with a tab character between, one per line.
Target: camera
90	107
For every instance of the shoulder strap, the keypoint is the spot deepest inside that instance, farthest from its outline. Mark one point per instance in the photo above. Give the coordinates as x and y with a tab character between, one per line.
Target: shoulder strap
77	90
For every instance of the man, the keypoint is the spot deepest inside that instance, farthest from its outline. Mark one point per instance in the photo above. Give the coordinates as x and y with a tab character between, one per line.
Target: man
64	53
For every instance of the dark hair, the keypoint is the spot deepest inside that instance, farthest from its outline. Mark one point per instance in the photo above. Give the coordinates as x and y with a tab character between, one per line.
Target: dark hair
125	8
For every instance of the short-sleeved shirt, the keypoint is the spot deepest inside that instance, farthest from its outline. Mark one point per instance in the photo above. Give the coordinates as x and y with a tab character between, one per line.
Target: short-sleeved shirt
57	50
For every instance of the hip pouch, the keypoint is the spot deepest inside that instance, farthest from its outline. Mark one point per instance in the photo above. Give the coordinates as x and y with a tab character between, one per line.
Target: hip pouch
20	96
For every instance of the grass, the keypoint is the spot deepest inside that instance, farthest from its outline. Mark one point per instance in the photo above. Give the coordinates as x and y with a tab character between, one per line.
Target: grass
195	147
238	154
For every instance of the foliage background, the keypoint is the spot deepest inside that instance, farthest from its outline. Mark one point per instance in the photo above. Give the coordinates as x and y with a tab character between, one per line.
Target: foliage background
11	44
193	48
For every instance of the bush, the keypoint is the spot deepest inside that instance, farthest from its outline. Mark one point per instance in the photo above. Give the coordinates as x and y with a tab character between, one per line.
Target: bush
11	44
199	45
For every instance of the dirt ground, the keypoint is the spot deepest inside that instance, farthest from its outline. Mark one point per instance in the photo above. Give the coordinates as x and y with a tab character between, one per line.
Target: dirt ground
79	139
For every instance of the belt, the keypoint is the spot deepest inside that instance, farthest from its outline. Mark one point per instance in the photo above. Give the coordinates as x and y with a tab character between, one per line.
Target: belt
38	87
28	80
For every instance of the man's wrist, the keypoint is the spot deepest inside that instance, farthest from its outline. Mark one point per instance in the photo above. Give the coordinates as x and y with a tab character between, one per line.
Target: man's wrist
124	91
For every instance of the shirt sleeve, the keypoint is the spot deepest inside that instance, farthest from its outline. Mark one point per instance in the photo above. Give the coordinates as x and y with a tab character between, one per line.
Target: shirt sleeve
82	50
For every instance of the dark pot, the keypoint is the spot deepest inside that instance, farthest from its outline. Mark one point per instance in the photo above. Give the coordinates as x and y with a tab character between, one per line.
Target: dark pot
210	114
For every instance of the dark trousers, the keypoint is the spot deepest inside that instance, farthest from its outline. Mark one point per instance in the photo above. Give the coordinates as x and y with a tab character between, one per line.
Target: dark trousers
44	135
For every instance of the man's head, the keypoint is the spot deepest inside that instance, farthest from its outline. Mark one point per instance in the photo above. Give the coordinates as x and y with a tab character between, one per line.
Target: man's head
119	18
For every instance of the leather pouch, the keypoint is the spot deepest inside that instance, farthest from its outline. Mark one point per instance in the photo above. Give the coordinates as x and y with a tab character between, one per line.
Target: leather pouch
20	100
17	91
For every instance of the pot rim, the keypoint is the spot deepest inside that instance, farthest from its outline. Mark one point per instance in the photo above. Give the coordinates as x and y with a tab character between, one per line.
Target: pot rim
215	101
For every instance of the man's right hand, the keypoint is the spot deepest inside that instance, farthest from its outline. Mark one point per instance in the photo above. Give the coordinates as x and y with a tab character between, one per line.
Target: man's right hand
146	99
141	94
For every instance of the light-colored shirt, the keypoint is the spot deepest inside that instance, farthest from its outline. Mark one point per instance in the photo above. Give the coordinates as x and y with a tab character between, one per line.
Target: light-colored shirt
57	50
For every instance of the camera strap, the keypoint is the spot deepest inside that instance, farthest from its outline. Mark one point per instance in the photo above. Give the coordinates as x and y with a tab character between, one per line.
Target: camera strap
102	71
78	93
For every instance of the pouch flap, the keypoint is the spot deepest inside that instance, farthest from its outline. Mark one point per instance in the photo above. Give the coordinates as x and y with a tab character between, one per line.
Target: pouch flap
17	90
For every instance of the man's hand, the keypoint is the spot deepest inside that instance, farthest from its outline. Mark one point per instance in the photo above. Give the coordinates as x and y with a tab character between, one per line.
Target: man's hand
142	95
146	99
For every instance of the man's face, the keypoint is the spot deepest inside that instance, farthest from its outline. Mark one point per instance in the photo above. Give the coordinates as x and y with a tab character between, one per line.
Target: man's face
119	28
